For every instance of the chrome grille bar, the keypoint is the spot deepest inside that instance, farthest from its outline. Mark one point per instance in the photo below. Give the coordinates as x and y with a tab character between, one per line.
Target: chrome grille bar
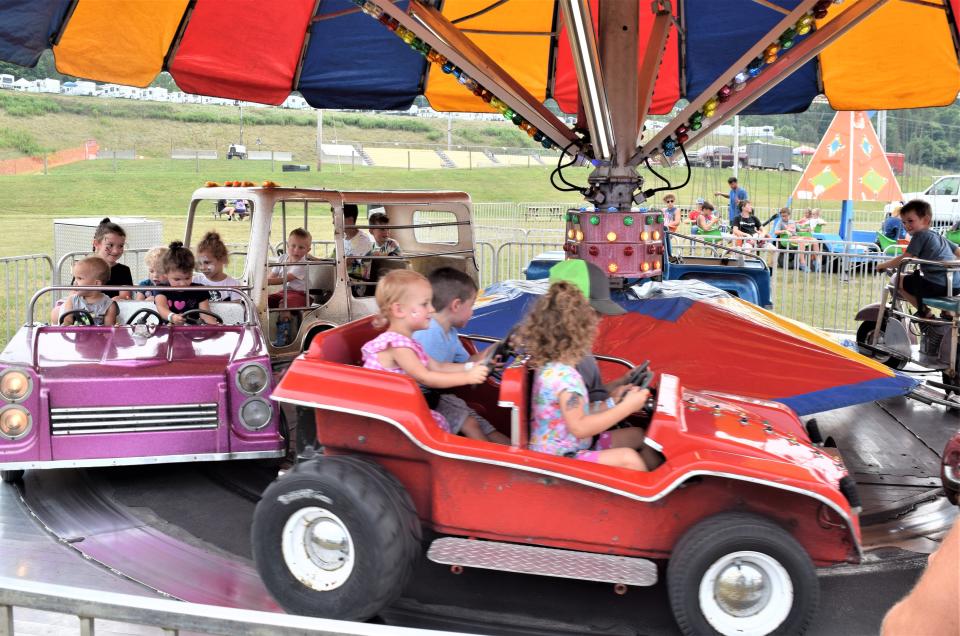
129	419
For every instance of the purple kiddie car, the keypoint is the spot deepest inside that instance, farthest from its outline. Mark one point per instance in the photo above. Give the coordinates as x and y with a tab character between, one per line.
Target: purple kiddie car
141	392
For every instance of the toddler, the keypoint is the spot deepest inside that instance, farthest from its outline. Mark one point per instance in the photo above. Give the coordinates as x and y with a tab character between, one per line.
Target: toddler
404	299
298	249
92	270
177	265
454	293
155	276
212	257
556	334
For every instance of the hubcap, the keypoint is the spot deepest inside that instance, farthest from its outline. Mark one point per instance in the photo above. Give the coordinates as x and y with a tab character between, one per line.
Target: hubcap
317	548
746	593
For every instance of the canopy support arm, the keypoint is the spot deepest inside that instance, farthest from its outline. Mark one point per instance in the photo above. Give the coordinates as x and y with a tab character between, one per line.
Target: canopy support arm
593	95
435	30
771	75
656	45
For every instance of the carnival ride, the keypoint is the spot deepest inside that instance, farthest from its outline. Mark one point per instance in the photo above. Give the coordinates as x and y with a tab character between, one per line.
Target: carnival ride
613	62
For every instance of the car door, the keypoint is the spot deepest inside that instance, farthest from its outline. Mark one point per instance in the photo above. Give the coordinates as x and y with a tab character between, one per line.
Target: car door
944	196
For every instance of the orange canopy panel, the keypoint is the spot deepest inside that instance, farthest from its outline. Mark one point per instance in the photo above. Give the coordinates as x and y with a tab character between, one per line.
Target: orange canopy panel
902	56
666	90
121	41
516	35
264	49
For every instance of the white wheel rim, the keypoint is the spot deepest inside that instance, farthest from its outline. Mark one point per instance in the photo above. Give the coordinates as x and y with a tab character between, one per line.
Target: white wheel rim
317	548
746	593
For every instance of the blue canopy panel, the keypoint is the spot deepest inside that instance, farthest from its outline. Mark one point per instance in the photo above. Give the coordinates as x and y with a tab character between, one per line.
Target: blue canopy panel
26	28
352	61
712	25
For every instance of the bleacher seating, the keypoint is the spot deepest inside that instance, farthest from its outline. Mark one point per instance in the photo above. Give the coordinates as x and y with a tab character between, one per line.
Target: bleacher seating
403	158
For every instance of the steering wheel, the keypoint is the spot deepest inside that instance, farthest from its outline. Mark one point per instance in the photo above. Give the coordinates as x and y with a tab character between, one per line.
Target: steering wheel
192	316
82	317
641	377
132	320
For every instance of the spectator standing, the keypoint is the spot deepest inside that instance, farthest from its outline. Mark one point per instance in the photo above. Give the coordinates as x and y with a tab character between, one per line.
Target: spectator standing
735	195
671	213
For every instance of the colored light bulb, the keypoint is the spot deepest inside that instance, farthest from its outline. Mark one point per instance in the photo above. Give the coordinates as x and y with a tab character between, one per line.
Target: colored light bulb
517	119
656	264
613	268
644	236
594	220
628	220
628	251
711	104
741	77
645	267
571	234
448	67
611	236
508	114
496	104
696	125
594	250
537	136
655	236
682	138
579	235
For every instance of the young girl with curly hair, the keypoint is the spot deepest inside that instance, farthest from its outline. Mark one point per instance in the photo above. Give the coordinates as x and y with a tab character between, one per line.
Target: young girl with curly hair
556	334
212	258
405	301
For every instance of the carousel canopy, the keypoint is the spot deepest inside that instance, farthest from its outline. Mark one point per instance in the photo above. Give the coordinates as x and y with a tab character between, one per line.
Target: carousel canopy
902	56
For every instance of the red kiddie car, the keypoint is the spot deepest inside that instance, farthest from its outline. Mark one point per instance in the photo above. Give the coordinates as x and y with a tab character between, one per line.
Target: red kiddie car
742	506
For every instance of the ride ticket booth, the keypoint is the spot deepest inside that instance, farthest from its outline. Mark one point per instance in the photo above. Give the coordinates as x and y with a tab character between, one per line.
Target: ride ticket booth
73	239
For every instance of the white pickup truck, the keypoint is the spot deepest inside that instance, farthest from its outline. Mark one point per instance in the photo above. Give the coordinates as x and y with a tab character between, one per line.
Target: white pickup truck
944	197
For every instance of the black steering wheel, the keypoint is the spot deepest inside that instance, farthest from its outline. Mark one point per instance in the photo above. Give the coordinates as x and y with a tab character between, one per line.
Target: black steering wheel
83	317
501	349
147	312
192	316
641	377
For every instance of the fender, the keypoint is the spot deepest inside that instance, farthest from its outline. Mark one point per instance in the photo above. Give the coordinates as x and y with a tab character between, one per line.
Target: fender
869	312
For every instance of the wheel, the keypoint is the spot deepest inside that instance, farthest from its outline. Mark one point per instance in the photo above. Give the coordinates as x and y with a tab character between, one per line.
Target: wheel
865	335
336	537
742	163
708	163
738	573
11	476
781	167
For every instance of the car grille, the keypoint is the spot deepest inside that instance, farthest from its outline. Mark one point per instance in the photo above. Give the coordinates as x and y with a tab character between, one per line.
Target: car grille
133	419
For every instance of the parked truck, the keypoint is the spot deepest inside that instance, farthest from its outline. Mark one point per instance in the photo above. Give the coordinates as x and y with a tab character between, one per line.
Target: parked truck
717	156
769	156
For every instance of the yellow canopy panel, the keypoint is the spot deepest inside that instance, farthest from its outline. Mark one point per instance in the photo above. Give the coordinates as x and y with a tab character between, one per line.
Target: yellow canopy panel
516	35
902	56
121	41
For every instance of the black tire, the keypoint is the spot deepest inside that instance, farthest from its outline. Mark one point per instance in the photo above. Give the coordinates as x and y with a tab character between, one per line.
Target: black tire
11	476
864	335
716	538
708	163
781	167
375	512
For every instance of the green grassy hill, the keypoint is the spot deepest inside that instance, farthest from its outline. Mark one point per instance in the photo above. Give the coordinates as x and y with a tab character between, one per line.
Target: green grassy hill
31	124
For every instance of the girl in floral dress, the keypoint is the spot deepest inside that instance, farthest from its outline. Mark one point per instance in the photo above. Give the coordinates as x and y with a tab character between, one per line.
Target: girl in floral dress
404	298
556	334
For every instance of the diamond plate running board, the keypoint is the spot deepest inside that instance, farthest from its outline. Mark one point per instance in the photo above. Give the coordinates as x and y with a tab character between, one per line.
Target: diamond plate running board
527	559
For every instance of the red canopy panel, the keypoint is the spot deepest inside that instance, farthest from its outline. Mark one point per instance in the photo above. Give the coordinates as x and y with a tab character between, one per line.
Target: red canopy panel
242	49
667	88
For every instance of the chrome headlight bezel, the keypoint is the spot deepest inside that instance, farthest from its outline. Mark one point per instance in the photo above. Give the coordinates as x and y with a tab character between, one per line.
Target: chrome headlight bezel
252	367
26	430
255	427
29	378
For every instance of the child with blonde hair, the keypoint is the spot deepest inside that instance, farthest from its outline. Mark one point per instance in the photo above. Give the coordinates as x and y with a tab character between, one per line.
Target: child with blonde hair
212	257
101	308
556	334
404	298
155	275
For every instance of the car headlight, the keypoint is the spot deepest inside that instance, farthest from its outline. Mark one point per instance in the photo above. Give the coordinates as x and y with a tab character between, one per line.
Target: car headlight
255	413
15	422
252	379
15	385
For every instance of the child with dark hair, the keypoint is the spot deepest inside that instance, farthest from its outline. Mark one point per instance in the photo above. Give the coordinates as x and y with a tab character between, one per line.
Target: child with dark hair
212	258
383	244
178	264
454	293
108	242
355	242
928	281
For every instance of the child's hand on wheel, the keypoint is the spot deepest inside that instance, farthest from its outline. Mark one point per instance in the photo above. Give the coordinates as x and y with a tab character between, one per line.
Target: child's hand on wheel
477	374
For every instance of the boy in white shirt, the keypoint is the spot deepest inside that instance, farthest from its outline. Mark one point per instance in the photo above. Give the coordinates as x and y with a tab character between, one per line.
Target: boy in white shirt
295	295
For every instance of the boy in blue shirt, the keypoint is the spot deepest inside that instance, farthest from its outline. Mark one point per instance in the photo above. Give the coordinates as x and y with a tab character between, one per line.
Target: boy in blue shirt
454	293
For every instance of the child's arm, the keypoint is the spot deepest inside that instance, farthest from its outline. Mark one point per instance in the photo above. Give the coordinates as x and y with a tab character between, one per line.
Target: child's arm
165	312
583	425
124	295
110	318
408	361
141	296
64	308
894	262
205	305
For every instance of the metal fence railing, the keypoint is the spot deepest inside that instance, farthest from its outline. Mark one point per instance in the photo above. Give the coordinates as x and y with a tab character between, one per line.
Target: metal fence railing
172	616
22	276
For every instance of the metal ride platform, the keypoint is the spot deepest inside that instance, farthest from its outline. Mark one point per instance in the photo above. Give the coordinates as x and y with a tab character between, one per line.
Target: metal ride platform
183	531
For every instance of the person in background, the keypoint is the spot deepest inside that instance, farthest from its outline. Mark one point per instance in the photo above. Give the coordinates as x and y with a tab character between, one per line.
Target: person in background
735	195
707	220
694	213
893	225
383	244
671	213
747	226
155	275
355	242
